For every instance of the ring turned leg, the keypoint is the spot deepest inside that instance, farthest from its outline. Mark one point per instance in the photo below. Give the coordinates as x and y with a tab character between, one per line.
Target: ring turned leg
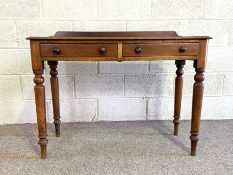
178	94
41	111
198	89
55	95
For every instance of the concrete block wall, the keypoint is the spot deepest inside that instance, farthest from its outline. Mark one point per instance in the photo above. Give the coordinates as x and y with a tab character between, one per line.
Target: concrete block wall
114	91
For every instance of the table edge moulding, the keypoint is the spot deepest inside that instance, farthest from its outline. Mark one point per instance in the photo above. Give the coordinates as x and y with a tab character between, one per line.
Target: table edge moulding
117	46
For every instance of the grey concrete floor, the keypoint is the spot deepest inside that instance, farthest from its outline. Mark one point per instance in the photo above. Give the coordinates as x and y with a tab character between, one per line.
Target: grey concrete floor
140	147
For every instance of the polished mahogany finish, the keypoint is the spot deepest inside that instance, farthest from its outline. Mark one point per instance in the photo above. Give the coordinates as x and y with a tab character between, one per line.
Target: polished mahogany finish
117	46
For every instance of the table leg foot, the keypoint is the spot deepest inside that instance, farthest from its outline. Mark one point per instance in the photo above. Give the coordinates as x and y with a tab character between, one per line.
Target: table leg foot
194	141
43	146
57	124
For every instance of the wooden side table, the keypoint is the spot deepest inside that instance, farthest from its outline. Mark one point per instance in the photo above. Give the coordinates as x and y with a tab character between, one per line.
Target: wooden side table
117	46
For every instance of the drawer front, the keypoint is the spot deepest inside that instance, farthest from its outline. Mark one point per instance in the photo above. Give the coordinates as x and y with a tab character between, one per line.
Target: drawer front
78	50
163	49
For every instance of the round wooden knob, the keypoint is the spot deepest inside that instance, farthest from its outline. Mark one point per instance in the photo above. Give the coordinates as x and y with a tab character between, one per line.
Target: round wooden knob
182	49
102	50
138	50
56	51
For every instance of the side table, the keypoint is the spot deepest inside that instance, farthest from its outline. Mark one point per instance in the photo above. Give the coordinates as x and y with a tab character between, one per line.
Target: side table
117	46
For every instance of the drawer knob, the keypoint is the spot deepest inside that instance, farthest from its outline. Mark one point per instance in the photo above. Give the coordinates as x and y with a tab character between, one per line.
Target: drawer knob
56	51
102	50
182	49
138	50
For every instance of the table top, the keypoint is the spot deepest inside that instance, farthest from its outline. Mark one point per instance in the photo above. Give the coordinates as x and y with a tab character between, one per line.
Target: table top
132	35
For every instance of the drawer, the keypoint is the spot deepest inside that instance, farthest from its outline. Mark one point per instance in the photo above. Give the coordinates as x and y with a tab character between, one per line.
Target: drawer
163	49
78	50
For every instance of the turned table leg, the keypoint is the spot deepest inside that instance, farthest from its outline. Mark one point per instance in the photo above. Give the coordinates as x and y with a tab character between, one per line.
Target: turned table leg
178	94
55	95
198	89
41	111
